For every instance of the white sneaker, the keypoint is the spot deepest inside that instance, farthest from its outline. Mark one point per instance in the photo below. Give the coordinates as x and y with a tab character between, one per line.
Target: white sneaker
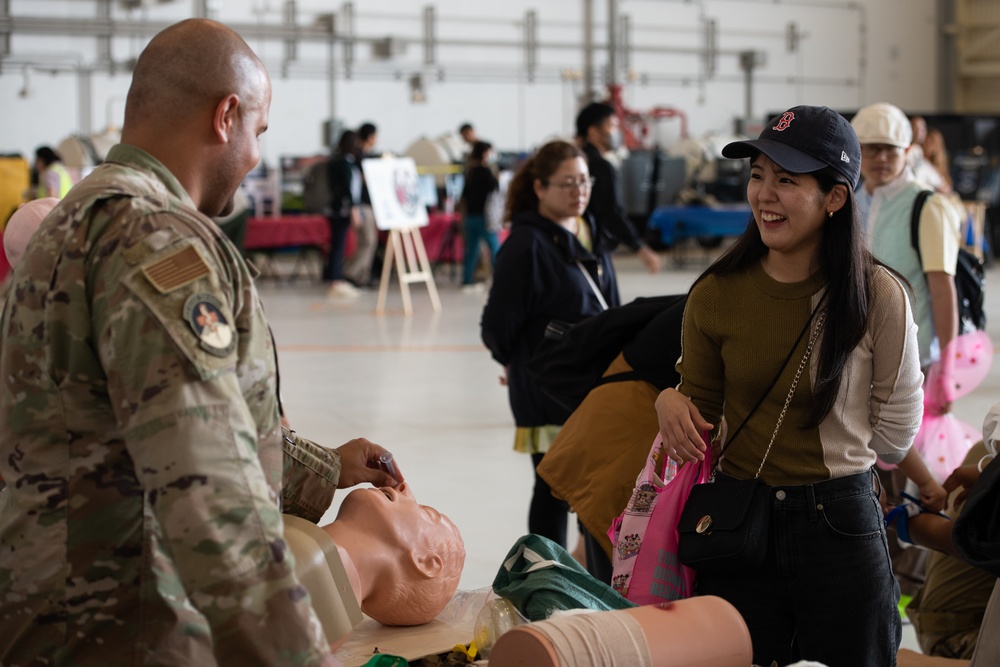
341	289
474	288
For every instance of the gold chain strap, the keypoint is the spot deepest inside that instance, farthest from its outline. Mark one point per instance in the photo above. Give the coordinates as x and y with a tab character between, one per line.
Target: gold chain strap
795	383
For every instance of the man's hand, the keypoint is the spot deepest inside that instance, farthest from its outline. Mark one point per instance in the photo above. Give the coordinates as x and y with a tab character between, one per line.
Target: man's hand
965	477
359	463
649	259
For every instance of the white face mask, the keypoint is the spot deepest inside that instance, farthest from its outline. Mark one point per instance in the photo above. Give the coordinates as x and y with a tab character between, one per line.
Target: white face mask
614	139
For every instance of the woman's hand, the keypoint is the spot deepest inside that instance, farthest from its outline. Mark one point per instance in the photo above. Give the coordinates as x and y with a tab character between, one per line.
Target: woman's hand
681	426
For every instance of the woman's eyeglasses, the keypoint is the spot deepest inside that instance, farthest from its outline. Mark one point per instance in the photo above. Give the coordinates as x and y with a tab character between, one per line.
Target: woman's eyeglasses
582	184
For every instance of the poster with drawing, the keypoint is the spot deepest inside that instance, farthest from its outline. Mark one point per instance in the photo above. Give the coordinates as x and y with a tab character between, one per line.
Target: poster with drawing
394	188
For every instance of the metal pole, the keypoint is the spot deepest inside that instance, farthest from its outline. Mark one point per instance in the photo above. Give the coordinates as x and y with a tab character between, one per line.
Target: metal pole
612	76
347	19
588	51
430	36
290	20
530	44
84	94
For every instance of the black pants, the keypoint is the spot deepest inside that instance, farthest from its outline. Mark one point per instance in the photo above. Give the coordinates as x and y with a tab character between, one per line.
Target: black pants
334	268
547	515
598	563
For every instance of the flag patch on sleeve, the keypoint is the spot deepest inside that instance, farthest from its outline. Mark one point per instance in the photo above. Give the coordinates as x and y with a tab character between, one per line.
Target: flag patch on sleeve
176	270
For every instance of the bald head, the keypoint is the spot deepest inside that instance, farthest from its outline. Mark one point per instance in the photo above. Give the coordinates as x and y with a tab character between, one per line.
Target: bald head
187	68
198	103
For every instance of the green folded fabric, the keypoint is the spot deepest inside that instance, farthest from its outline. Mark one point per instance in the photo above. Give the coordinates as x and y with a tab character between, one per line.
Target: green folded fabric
539	577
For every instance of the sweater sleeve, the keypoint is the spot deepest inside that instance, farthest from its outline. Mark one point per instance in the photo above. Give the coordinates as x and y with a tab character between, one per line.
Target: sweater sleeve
700	364
896	403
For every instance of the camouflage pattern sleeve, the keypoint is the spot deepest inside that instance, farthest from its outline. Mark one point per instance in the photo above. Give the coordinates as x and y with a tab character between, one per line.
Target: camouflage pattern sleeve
309	478
185	356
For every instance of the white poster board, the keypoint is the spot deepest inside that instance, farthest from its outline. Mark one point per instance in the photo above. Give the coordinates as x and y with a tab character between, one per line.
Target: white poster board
394	189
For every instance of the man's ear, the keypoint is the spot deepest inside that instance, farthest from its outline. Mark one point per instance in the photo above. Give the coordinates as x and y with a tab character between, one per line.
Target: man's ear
224	117
429	565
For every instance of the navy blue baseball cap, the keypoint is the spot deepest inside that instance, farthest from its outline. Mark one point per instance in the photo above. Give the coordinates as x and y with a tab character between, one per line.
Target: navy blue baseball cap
805	139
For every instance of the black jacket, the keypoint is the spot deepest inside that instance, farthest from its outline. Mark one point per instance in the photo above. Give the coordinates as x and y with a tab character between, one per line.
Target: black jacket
341	173
536	280
479	183
606	202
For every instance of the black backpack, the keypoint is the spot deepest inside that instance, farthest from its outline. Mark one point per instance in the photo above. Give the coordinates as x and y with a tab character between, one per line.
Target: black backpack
572	358
970	278
316	194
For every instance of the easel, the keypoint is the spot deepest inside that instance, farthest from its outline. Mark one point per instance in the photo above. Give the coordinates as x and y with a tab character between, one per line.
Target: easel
406	247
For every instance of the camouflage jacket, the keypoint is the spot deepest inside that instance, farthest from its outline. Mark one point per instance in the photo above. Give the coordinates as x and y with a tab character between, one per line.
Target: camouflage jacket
140	439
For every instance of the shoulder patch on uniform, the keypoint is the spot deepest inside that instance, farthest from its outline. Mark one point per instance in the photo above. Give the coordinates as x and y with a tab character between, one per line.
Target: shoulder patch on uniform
205	315
177	269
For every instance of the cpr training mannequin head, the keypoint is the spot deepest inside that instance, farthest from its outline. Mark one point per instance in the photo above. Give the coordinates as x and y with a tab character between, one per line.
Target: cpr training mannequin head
22	226
408	557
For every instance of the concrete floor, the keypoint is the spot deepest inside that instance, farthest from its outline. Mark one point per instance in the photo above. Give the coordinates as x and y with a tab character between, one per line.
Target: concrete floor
426	388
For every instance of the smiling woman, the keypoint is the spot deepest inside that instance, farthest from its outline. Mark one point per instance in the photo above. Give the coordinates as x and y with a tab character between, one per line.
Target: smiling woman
811	439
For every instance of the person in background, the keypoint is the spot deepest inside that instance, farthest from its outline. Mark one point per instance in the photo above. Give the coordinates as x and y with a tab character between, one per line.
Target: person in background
925	159
468	134
345	189
358	267
139	422
480	183
891	189
958	592
553	266
598	131
54	179
936	155
888	196
801	275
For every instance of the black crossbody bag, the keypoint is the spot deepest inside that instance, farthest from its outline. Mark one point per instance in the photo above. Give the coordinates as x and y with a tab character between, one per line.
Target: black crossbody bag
724	526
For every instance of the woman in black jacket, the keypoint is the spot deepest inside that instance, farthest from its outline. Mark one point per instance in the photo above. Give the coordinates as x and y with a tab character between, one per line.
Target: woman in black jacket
554	266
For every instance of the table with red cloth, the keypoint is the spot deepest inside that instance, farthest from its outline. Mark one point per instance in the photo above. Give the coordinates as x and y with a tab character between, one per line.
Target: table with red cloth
310	235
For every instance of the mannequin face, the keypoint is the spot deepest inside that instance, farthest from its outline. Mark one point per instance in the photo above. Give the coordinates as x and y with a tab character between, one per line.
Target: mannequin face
418	552
395	519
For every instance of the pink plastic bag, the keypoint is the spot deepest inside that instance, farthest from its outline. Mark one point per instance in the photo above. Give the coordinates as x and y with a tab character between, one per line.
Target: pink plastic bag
644	537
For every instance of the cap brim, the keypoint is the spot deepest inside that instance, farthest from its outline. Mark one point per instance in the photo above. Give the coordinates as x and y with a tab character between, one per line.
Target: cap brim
787	157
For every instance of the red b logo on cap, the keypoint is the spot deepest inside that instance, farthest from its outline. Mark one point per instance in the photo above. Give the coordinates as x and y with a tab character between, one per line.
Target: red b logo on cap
786	120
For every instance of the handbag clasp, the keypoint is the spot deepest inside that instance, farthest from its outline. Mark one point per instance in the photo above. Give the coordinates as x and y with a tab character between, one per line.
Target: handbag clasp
704	525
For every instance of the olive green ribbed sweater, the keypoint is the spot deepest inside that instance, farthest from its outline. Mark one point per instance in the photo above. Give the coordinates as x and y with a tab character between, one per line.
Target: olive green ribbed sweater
738	330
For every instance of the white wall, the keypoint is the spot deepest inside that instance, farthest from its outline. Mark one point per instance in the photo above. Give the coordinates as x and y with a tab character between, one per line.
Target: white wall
852	52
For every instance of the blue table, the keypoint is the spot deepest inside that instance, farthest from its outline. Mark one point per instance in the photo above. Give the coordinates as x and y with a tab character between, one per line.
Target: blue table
677	224
708	225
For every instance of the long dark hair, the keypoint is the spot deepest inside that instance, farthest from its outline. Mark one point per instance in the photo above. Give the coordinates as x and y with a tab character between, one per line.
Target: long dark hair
843	254
521	191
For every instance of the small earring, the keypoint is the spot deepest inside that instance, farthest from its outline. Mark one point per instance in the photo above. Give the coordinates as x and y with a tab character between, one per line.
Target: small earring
829	214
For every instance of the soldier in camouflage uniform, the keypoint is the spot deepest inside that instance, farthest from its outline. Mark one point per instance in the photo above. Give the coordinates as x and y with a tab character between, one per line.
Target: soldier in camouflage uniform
139	429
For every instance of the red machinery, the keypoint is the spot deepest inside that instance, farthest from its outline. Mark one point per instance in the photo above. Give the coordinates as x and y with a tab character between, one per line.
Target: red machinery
635	124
